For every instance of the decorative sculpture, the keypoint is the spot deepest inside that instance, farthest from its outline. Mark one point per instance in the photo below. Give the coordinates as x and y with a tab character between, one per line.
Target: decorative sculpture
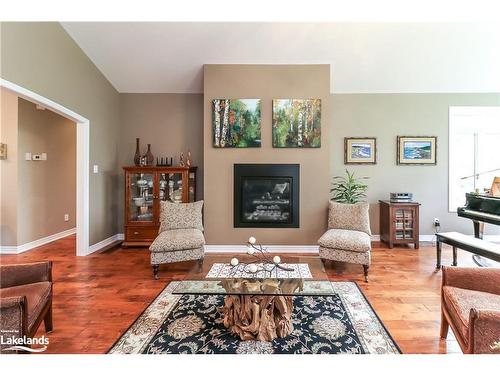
262	256
137	156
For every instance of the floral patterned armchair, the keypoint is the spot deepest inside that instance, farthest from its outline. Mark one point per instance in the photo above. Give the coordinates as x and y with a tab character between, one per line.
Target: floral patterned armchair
180	237
348	236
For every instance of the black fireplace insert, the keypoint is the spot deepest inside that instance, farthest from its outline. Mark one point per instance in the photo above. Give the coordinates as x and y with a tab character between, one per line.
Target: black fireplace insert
266	195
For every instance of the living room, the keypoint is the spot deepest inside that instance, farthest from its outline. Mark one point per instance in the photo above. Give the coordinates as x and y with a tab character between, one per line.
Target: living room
250	187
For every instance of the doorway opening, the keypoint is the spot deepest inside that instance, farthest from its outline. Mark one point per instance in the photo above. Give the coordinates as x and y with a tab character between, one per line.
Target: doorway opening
82	160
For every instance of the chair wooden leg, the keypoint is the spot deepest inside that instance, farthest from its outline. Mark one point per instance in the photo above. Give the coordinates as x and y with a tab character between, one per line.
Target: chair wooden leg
47	320
323	265
444	326
156	268
366	267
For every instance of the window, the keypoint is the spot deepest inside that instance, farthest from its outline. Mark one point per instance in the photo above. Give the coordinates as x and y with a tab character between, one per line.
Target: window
474	154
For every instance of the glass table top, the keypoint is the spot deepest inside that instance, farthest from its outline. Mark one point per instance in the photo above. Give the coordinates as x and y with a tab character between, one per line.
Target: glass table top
309	277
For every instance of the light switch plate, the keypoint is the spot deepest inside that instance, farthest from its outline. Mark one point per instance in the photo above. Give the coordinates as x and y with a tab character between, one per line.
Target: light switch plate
44	156
96	168
27	156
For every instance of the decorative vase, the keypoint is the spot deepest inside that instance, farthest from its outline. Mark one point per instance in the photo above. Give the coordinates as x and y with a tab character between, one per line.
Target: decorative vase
149	156
137	156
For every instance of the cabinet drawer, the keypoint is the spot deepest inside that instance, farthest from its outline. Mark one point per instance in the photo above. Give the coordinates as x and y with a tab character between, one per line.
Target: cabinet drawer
141	234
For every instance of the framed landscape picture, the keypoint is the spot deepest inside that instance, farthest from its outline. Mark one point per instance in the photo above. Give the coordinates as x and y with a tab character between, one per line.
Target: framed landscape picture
420	150
360	150
236	123
297	123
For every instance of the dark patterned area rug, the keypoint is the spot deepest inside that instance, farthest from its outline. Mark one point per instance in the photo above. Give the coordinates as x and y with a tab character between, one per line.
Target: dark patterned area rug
343	322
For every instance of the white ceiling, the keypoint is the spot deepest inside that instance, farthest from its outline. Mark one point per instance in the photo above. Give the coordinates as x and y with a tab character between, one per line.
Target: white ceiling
364	57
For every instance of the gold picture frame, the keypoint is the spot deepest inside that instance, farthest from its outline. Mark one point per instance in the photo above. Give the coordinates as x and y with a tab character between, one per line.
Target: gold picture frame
416	150
360	150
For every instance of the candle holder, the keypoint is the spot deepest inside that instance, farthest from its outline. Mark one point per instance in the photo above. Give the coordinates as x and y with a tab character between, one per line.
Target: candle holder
164	163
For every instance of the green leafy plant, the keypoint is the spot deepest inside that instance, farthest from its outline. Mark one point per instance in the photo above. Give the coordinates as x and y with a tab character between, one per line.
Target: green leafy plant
348	189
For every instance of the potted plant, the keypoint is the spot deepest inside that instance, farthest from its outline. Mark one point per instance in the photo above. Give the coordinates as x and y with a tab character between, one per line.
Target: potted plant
348	189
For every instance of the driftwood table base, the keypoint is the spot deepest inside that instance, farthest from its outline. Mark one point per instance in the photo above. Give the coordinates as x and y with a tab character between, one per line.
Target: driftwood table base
258	317
262	317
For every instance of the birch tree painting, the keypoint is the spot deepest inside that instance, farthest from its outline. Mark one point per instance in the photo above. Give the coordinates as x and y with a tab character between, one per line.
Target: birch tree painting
236	123
297	123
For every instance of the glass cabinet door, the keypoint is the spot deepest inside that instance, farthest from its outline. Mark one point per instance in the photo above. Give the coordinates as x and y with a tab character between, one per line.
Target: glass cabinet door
192	187
404	223
170	187
141	187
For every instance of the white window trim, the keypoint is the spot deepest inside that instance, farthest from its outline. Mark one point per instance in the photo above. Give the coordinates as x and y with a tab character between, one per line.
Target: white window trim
461	111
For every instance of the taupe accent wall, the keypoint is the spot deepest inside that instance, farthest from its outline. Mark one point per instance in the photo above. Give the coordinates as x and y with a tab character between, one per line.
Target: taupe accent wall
8	169
386	116
42	57
266	82
46	189
172	123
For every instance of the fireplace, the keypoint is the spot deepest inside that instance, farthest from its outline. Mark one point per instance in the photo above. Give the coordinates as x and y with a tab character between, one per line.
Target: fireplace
266	195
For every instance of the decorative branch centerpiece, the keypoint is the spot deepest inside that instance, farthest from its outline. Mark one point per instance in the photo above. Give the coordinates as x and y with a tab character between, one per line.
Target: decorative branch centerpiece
262	260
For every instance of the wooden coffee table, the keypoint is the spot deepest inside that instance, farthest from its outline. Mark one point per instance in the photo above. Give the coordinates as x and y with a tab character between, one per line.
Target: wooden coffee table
257	308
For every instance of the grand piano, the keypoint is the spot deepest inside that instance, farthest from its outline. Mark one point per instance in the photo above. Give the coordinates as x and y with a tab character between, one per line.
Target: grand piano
481	209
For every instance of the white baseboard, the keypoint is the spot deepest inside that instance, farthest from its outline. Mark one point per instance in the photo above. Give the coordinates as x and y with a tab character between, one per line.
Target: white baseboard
311	248
270	248
208	248
421	238
106	242
31	245
8	250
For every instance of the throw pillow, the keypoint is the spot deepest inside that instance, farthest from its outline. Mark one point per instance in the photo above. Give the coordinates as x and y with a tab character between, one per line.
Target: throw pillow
181	215
349	216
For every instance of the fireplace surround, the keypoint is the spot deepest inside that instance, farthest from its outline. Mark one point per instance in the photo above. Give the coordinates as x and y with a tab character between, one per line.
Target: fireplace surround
266	195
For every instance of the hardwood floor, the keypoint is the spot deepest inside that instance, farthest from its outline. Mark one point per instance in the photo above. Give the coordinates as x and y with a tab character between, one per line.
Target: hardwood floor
96	298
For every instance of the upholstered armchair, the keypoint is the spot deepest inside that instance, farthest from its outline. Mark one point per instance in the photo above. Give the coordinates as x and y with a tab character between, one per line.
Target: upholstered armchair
348	236
180	236
25	299
470	304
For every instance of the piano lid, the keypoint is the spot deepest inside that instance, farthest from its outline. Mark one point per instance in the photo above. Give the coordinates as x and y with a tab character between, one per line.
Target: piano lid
481	208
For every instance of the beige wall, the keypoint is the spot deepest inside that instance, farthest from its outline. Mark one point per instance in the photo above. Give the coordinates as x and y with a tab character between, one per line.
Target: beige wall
266	82
172	123
46	189
42	57
8	169
385	116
